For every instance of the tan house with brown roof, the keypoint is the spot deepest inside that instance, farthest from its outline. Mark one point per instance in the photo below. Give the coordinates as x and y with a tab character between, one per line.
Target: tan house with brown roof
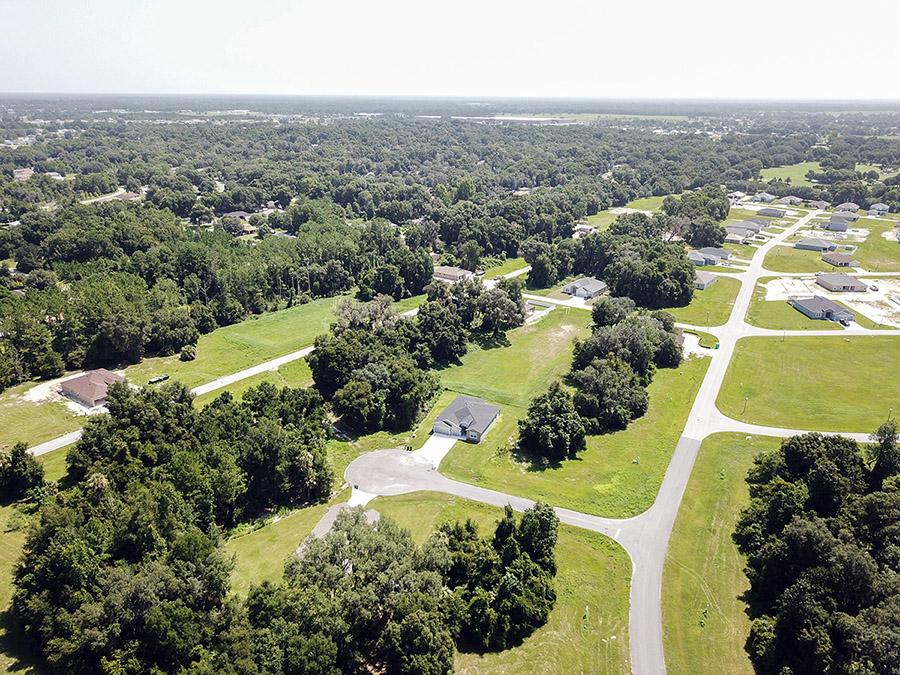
90	389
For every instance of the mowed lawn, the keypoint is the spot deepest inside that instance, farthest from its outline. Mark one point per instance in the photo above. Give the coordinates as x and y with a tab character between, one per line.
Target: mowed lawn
711	306
507	266
294	374
796	172
617	475
779	315
33	423
703	616
790	259
819	383
587	631
537	354
241	345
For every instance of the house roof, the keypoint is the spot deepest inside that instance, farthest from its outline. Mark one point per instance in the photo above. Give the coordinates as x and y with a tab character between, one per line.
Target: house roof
92	385
812	241
705	277
847	206
589	284
880	206
843	215
693	255
817	304
714	252
468	412
838	258
838	279
819	204
450	272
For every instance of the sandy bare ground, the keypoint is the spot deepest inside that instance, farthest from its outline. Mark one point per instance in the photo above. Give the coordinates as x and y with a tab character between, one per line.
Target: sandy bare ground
875	305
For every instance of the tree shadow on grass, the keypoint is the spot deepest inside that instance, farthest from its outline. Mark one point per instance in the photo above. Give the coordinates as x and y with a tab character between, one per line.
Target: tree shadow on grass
538	463
491	341
13	646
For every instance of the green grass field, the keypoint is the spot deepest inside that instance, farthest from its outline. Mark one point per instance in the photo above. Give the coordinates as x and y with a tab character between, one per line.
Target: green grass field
789	259
796	172
703	617
587	631
293	374
711	306
554	291
779	315
33	423
744	251
705	339
617	475
508	265
13	529
241	345
877	254
822	383
603	219
538	354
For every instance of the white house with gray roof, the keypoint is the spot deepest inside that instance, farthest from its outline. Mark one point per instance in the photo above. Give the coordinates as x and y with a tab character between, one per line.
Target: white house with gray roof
704	280
841	283
817	307
467	417
586	287
879	209
813	244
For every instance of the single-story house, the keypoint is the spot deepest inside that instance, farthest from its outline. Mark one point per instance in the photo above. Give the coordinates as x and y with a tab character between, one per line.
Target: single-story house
879	209
790	200
586	287
90	389
840	259
451	274
836	225
850	216
812	244
818	204
698	259
22	175
714	253
582	230
817	307
773	213
466	417
240	215
847	206
704	280
737	195
840	283
763	197
749	225
738	237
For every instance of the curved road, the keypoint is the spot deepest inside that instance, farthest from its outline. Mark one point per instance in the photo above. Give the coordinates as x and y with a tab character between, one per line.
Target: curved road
646	536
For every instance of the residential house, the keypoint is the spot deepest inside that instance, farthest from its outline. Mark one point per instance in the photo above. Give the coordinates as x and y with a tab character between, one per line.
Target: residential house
586	287
818	204
772	213
467	417
704	280
817	307
738	236
836	225
711	255
240	215
840	260
581	230
879	209
22	175
790	200
847	206
699	259
451	274
849	216
90	388
813	244
841	283
763	197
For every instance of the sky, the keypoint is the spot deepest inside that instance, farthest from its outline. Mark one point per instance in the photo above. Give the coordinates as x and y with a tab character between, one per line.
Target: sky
549	48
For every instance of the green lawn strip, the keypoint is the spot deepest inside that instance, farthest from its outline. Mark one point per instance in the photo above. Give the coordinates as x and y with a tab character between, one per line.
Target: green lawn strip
587	631
33	423
779	315
705	339
877	254
601	220
731	269
646	203
54	463
823	383
407	304
790	259
617	475
703	616
508	265
294	374
796	172
555	291
13	530
711	306
744	251
537	354
232	348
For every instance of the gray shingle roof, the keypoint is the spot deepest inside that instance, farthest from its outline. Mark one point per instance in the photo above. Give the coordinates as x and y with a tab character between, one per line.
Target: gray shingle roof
589	284
468	412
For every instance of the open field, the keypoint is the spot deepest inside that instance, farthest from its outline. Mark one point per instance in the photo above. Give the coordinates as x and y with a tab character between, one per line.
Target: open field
796	172
537	354
34	423
877	254
241	345
509	265
789	259
779	315
617	475
587	631
293	374
603	219
703	617
711	306
824	383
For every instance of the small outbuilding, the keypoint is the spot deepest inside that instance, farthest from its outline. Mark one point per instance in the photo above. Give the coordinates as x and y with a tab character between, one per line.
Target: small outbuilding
467	417
586	287
90	389
817	307
841	283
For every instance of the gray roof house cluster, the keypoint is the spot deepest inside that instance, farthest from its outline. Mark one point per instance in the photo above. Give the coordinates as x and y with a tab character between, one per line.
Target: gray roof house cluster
841	283
466	417
743	231
879	209
709	255
813	244
586	287
817	307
